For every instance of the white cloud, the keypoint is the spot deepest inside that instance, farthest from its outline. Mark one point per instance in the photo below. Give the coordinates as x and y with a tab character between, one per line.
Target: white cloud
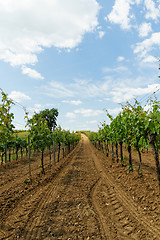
70	115
101	34
144	29
147	45
138	1
120	95
116	70
92	122
120	59
152	11
88	88
37	108
88	112
149	59
37	105
18	96
27	26
57	90
114	111
15	58
74	102
120	13
79	89
118	87
71	120
31	73
107	99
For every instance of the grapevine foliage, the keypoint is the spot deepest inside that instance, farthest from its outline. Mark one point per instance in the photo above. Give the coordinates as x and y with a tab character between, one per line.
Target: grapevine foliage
6	126
135	127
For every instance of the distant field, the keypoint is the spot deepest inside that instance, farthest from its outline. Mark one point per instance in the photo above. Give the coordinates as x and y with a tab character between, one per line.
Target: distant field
21	134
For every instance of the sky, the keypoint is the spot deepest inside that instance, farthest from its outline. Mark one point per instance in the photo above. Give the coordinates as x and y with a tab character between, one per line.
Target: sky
82	57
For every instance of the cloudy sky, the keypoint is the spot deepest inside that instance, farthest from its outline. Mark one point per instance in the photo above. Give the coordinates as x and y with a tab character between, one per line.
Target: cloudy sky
80	56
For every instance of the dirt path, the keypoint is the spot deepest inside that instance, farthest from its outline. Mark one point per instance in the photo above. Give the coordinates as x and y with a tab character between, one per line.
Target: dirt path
79	199
126	217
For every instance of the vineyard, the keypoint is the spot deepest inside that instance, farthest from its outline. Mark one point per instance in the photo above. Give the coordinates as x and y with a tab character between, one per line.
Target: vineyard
55	184
38	138
136	129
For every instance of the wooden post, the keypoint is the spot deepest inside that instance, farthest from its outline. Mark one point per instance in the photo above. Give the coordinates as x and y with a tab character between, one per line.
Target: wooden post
29	158
5	152
9	154
49	156
54	157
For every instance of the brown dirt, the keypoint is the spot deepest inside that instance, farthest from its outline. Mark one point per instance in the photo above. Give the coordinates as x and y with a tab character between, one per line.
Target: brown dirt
85	196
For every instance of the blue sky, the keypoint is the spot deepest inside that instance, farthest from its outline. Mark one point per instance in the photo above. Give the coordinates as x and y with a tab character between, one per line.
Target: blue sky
80	56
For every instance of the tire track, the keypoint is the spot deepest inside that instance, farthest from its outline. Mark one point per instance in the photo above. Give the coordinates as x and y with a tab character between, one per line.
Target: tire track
110	209
121	203
103	227
37	218
63	188
28	213
81	201
21	175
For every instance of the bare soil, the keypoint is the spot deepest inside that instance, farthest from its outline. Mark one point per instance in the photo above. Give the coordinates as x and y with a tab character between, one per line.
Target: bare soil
84	196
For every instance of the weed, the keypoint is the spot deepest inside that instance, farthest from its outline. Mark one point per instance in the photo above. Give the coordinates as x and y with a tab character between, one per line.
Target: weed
26	181
124	160
129	167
